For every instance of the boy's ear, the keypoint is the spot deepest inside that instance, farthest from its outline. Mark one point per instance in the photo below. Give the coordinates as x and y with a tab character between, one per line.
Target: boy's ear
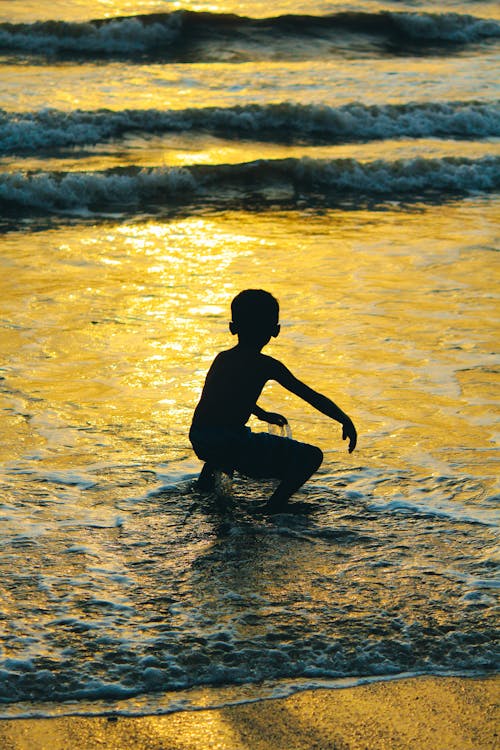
232	328
276	330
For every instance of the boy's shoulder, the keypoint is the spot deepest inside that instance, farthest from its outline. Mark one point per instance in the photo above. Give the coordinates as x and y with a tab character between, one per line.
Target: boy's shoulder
271	361
269	364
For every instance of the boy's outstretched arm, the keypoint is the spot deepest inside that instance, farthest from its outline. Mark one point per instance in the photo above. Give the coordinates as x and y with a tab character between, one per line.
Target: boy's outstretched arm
269	416
323	404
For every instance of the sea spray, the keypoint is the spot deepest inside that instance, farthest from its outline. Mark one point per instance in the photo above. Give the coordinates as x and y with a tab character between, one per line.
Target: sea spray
25	132
130	189
183	33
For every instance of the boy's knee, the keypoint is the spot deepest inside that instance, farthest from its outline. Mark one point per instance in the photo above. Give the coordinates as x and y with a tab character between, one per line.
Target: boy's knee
314	457
319	456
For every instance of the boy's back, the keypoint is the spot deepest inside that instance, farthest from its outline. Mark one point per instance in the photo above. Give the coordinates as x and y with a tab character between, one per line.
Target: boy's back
232	386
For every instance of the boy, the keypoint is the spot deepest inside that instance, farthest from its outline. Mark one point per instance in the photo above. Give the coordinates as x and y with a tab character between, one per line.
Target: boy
233	385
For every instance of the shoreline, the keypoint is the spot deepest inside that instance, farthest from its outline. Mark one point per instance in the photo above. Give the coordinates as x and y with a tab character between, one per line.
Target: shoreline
445	713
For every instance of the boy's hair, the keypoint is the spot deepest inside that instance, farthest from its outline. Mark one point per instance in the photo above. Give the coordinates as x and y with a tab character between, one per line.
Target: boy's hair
254	308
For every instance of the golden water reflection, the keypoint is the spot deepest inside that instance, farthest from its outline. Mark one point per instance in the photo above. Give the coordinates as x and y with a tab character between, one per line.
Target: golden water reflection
218	84
172	150
109	330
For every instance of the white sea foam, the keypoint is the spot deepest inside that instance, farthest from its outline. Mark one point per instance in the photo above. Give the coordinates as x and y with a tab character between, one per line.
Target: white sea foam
435	509
300	177
48	128
184	609
117	36
83	191
450	27
154	34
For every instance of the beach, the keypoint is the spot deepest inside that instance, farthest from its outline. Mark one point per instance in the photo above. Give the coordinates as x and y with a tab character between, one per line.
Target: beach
156	159
420	713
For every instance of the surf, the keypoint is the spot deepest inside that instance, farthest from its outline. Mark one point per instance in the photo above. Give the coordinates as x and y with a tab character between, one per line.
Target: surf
185	35
286	122
134	189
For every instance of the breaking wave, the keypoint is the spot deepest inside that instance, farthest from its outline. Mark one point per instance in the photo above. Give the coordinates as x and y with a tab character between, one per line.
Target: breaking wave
182	34
50	128
292	179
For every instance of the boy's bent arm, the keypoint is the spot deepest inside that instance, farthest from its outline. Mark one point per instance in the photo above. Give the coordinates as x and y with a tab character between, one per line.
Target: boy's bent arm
269	416
323	404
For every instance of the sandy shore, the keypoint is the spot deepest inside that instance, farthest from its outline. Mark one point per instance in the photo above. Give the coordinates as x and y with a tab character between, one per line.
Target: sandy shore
422	714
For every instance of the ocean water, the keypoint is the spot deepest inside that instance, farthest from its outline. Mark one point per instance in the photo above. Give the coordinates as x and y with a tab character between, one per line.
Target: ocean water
155	159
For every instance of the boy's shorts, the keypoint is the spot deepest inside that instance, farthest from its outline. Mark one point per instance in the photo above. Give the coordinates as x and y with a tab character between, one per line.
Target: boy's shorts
255	454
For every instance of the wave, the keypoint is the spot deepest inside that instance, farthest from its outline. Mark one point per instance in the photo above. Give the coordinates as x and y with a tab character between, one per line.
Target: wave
182	35
285	179
50	128
447	510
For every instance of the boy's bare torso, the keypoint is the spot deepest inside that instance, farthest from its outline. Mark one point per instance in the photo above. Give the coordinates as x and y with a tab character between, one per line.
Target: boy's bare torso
232	386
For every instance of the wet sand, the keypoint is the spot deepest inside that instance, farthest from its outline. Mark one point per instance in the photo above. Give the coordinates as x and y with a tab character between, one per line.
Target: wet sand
419	713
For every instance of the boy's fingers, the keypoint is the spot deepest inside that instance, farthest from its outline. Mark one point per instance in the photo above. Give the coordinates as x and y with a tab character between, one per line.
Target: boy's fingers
346	433
353	441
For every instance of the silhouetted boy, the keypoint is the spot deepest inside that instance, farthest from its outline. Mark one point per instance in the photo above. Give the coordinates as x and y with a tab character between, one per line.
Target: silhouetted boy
233	385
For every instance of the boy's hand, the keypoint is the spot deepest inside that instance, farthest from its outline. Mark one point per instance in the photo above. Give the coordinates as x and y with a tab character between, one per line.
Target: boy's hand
349	431
269	416
274	418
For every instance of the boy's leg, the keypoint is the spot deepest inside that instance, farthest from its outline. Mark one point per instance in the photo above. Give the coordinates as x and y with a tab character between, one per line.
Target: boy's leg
300	471
206	480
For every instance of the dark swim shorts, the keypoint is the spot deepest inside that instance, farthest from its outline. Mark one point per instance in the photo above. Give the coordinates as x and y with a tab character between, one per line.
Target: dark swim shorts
255	454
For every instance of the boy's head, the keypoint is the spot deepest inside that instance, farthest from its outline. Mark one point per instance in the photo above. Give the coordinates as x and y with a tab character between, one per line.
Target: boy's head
255	316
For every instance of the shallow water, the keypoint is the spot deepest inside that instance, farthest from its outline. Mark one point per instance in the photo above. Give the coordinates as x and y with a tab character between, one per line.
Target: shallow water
124	590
